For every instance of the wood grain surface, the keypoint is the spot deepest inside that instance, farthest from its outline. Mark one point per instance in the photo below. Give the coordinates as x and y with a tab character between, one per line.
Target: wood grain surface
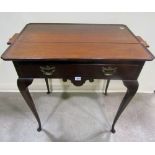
75	42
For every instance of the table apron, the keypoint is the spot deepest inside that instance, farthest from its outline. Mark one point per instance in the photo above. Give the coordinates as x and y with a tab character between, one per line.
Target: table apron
88	71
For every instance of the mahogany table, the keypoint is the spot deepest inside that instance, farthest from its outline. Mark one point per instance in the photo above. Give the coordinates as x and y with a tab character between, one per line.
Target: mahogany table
77	52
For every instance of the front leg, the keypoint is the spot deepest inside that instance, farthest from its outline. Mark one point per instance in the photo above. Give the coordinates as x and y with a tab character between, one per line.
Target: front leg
132	87
23	88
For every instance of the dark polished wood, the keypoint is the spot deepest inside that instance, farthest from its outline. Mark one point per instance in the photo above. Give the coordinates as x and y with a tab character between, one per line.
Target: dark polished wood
47	84
142	42
132	87
107	85
23	88
77	52
69	70
12	41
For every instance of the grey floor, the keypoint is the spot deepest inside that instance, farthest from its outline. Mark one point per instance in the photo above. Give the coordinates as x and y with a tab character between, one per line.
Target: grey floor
77	117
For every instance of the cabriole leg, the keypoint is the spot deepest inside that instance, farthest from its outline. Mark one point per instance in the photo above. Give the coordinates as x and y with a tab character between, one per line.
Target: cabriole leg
132	87
23	88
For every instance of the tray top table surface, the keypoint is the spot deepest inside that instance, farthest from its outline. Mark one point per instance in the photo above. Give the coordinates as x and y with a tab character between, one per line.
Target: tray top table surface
49	41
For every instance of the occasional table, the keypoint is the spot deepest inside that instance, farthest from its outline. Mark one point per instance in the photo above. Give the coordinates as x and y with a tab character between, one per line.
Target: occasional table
77	52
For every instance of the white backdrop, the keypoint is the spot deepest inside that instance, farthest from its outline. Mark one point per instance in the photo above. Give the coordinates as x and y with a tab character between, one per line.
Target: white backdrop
142	24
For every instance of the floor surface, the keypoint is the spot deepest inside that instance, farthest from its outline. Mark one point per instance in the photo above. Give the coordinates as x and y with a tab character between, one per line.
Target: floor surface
77	117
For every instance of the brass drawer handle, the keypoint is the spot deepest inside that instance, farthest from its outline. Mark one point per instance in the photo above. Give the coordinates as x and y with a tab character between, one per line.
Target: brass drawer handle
47	70
108	71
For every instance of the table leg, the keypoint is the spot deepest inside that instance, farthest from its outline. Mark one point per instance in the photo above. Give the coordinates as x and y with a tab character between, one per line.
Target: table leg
132	87
23	88
107	85
47	84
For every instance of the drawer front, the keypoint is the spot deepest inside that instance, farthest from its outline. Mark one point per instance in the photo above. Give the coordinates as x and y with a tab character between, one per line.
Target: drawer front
65	71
